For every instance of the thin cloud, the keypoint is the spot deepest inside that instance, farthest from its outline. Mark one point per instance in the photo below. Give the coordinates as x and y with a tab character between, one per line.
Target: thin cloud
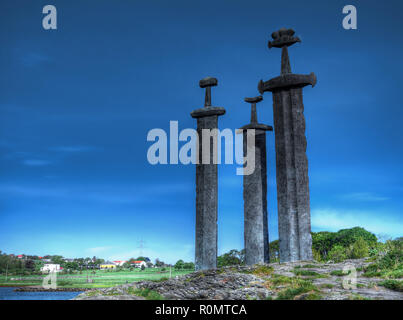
36	162
73	149
32	59
98	250
363	196
325	219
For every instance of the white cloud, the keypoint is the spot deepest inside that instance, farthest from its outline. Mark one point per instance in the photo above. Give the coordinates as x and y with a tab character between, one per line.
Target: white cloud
31	59
72	149
98	250
363	196
377	222
36	162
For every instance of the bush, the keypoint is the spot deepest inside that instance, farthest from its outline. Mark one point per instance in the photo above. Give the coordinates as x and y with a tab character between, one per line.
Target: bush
359	249
323	242
316	255
395	285
337	254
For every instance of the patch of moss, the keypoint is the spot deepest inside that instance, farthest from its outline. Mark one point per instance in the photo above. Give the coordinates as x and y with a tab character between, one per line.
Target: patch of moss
309	273
339	273
262	271
310	266
356	296
294	286
92	293
395	285
394	274
161	279
277	279
326	285
313	296
297	289
371	274
146	293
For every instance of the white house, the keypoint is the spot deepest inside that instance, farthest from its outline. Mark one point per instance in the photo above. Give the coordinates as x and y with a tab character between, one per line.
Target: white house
120	263
51	267
139	264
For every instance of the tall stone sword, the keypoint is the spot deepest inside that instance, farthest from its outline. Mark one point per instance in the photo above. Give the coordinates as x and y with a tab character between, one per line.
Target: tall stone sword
206	183
255	192
294	216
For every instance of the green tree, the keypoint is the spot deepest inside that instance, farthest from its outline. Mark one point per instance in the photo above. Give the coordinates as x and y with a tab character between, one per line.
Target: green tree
30	265
57	260
189	266
159	263
324	241
359	249
141	259
337	253
274	251
347	237
233	257
179	265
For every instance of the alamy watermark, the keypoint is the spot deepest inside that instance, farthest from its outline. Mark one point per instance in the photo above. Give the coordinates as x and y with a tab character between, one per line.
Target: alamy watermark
350	278
189	152
50	281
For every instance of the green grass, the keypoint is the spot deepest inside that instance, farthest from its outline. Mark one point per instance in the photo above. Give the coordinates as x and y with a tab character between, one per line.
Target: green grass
356	296
339	273
326	285
101	278
371	274
146	293
263	271
299	272
298	289
396	285
294	287
310	266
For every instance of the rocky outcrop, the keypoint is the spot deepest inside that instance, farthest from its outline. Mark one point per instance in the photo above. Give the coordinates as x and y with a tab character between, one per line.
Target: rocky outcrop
293	280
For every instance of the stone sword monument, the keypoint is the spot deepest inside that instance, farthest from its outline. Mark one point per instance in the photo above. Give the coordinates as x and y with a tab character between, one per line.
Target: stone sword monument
255	192
294	218
206	182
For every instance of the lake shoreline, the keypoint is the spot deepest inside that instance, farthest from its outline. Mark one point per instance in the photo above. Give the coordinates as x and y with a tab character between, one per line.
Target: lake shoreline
41	289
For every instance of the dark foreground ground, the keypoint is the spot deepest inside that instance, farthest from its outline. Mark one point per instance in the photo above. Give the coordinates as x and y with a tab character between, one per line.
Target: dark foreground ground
299	280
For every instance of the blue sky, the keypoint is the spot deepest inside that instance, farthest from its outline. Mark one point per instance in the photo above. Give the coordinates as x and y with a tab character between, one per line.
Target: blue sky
76	105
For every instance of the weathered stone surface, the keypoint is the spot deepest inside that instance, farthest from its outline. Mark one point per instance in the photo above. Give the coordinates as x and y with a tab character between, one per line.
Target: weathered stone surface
208	82
255	204
255	193
206	185
255	282
291	161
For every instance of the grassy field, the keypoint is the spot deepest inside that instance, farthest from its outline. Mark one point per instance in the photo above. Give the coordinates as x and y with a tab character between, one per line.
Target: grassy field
100	279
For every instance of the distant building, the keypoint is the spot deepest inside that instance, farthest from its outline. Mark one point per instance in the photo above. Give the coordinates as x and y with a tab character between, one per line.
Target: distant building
51	267
138	264
20	256
119	263
108	265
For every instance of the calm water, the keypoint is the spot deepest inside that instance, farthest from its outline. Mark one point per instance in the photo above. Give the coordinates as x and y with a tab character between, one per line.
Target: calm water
7	293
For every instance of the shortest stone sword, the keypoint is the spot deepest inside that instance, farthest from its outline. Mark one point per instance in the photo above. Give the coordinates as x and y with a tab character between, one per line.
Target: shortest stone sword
255	191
